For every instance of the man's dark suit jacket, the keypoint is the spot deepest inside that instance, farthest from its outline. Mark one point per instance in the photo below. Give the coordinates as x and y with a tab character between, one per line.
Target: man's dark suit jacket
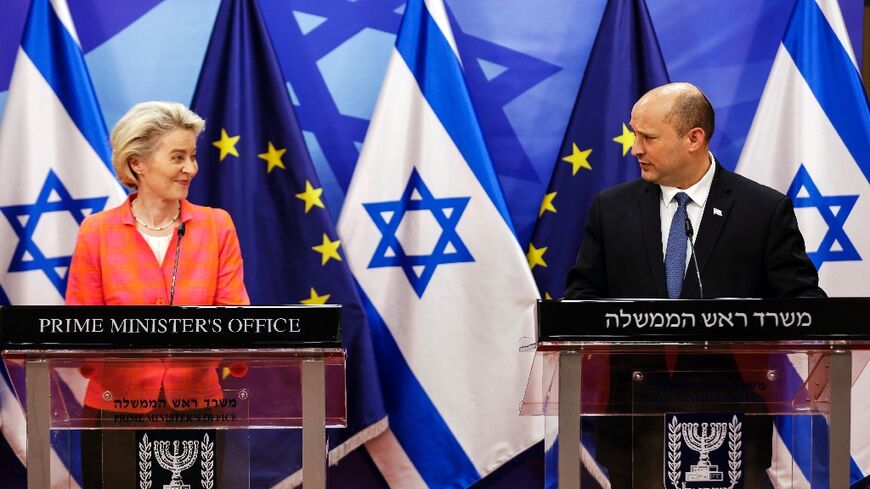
748	245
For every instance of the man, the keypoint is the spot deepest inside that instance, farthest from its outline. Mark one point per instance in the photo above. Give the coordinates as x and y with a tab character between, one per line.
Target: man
636	245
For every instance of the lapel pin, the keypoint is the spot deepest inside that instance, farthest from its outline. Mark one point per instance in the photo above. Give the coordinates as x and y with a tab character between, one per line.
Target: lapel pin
717	212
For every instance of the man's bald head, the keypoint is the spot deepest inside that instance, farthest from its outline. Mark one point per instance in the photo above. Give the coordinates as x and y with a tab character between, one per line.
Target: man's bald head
689	107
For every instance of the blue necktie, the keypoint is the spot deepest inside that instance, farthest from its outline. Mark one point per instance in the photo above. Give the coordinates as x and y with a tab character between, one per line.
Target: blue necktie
675	254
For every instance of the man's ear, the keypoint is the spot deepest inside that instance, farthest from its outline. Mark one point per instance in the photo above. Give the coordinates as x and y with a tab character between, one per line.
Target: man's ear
696	138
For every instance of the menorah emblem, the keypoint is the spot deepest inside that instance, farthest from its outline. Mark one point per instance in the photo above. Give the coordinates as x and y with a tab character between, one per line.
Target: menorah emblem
707	436
182	456
710	438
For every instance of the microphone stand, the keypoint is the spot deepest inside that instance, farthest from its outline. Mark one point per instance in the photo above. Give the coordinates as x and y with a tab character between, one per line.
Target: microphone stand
689	233
181	229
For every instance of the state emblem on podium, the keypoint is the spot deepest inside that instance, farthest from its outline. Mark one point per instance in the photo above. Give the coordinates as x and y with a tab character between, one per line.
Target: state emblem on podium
703	450
187	462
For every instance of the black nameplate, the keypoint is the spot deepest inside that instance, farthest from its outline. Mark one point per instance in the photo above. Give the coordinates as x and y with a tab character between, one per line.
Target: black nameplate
846	319
119	327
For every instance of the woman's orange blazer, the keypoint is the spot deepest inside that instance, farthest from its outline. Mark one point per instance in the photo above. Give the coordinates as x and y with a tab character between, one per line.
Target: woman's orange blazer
113	265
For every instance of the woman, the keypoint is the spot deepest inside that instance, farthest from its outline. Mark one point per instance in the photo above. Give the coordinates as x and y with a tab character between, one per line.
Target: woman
124	255
134	254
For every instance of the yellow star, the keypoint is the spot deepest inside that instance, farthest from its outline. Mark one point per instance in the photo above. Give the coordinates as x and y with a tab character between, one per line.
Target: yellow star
547	296
535	256
311	196
273	157
329	249
315	299
547	204
626	139
578	159
227	145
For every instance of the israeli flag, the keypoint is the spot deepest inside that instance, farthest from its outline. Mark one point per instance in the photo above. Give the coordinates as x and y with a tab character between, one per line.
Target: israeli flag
450	294
55	166
810	139
54	171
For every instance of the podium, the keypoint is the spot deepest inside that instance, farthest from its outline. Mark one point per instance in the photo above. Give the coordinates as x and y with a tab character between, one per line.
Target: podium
104	373
606	360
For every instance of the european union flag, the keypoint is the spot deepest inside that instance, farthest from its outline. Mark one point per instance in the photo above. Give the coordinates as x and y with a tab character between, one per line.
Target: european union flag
625	62
254	164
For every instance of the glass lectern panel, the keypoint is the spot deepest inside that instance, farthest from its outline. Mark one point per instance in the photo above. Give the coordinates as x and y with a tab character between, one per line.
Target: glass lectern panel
636	415
708	393
175	397
185	392
175	420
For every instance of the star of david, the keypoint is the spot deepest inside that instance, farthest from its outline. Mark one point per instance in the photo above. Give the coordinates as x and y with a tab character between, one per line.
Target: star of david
522	72
448	249
338	133
53	197
834	210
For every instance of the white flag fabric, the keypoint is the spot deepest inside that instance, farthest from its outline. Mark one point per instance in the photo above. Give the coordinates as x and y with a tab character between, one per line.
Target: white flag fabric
54	158
810	139
449	291
54	170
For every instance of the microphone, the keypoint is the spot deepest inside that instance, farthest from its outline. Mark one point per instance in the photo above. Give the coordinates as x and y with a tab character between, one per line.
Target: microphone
181	230
689	233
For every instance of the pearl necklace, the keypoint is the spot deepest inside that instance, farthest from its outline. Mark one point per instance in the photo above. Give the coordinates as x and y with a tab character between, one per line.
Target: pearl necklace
155	228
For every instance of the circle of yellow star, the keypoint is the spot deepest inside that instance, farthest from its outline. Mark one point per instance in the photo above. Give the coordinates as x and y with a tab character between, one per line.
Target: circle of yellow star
315	299
547	204
273	157
578	159
626	139
227	145
311	196
327	250
535	256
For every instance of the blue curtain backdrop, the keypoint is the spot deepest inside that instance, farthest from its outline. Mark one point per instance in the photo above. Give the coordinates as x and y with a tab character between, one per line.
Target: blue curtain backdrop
524	62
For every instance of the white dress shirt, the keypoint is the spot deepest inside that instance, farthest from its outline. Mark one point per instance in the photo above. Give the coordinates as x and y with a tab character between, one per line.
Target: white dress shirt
698	194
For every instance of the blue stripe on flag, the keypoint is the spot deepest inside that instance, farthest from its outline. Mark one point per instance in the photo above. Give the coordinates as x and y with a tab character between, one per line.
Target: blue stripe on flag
795	430
440	78
798	430
436	453
58	57
821	450
833	79
792	429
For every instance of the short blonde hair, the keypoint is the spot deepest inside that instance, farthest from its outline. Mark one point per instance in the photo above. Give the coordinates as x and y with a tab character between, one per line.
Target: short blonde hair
139	130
